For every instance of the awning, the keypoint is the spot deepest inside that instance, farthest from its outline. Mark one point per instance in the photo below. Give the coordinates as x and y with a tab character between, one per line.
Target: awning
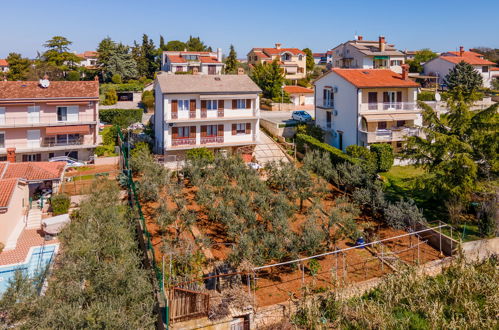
381	57
76	129
371	118
404	116
226	97
391	117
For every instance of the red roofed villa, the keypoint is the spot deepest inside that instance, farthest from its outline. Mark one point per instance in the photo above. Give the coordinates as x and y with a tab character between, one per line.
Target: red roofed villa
367	106
301	97
4	65
192	62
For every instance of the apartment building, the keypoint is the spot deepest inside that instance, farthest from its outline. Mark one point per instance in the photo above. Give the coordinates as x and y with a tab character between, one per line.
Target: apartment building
219	112
41	120
292	60
366	106
194	62
323	58
364	54
440	66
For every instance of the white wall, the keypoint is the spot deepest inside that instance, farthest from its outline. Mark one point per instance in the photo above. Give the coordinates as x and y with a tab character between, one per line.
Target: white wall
158	119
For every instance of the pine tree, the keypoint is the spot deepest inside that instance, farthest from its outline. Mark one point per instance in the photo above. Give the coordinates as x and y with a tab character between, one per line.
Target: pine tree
310	59
161	42
231	61
464	77
18	67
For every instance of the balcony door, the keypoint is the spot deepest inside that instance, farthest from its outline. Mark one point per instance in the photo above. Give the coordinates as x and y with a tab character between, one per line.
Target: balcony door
33	137
2	116
33	114
392	100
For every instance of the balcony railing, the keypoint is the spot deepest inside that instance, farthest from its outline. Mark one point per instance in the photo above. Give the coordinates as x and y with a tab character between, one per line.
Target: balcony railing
174	115
387	106
212	139
183	141
25	121
384	135
220	113
326	104
192	114
204	114
50	142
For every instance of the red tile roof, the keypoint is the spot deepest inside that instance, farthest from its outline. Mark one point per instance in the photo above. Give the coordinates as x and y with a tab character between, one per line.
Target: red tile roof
6	190
466	53
494	69
208	59
473	60
32	171
319	54
3	62
275	51
176	59
298	89
10	90
366	78
88	54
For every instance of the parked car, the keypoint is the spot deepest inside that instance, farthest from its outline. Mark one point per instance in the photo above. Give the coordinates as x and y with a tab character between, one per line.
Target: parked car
301	116
71	162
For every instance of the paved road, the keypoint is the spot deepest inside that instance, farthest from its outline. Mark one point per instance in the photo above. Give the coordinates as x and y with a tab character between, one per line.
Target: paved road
280	116
267	150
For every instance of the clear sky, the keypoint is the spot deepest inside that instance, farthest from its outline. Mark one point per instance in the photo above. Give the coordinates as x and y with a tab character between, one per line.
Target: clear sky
438	24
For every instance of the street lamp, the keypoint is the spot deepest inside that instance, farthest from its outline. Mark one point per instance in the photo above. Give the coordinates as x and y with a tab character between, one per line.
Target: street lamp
282	96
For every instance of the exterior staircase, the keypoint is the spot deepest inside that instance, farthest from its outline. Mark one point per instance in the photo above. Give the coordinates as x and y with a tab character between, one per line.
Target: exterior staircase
34	219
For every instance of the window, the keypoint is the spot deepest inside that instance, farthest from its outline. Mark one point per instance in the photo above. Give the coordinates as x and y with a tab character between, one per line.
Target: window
183	105
2	139
62	139
4	159
256	58
300	57
485	69
183	132
62	113
395	62
399	144
286	57
180	69
382	125
241	104
32	158
51	155
211	130
400	123
241	129
328	97
212	104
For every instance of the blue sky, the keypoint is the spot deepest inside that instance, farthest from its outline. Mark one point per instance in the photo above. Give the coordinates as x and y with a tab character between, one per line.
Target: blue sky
319	25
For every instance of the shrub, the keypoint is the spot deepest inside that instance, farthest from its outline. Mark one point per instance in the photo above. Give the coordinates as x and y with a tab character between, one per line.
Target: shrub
60	204
364	154
488	224
129	87
201	154
426	96
403	214
121	117
384	156
336	155
110	135
110	98
73	76
105	151
139	147
312	130
116	79
148	100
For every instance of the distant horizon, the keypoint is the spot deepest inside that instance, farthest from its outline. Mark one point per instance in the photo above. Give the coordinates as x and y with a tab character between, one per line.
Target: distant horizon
438	26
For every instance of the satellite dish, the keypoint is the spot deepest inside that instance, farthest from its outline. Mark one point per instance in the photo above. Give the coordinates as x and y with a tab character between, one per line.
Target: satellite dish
438	98
44	83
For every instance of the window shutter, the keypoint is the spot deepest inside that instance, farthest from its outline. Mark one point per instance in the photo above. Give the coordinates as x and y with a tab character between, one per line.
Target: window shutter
192	106
203	130
175	132
192	132
385	97
221	104
399	96
234	104
203	105
174	106
220	131
248	104
234	128
248	128
73	113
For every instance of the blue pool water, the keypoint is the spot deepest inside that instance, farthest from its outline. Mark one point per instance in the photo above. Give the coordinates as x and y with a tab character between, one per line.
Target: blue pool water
37	262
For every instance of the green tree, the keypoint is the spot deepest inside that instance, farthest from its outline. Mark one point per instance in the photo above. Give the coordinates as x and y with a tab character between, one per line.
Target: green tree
231	61
195	44
175	45
421	56
116	79
73	75
58	53
270	78
161	42
310	60
110	98
18	67
115	59
145	56
465	77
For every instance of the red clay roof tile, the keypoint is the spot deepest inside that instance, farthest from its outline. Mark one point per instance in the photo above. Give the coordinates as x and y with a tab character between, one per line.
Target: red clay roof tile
3	62
298	89
366	78
10	90
6	190
32	171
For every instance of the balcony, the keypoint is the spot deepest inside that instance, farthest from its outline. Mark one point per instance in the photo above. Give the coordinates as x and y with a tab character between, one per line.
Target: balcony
183	142
390	106
212	139
44	120
53	142
388	135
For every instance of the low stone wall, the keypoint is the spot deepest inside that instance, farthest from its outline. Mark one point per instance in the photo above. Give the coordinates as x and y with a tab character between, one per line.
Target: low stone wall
480	250
106	160
438	240
276	131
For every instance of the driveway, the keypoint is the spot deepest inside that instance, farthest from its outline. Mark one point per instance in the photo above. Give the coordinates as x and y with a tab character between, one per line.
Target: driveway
267	150
280	117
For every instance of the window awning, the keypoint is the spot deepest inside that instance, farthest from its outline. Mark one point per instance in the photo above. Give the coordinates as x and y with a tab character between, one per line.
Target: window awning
76	129
391	117
371	118
381	57
226	96
404	116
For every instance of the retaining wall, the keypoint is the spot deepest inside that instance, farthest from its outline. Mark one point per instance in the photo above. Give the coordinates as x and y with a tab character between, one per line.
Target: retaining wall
106	160
438	240
274	129
480	250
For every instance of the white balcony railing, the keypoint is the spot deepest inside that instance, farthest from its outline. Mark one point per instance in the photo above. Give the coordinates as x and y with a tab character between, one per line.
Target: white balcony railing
183	141
389	106
386	135
25	121
212	139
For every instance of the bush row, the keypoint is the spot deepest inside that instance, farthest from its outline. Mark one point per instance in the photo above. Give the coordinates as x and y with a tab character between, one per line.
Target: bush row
337	156
121	117
130	87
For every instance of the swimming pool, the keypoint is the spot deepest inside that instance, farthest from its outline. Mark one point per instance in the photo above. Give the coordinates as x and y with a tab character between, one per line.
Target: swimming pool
38	258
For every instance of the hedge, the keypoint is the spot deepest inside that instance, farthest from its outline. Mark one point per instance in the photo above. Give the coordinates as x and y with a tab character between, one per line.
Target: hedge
121	117
384	156
426	96
133	87
337	156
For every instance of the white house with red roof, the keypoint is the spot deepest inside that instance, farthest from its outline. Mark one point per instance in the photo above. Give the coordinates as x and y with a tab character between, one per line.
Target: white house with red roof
88	59
301	97
440	66
293	61
366	106
41	120
4	65
192	62
323	58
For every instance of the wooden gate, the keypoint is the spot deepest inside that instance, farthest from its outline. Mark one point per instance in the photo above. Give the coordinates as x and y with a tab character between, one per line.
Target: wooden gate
187	304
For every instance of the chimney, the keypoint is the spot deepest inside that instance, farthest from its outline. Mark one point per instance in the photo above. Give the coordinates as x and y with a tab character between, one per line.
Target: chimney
278	46
11	155
461	51
405	71
359	38
240	71
96	78
195	70
219	54
382	44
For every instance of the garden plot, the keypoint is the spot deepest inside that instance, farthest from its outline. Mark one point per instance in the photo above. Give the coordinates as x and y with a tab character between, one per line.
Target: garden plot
223	218
79	180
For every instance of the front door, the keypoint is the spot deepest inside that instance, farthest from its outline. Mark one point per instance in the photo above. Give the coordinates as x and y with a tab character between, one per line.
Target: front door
33	136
